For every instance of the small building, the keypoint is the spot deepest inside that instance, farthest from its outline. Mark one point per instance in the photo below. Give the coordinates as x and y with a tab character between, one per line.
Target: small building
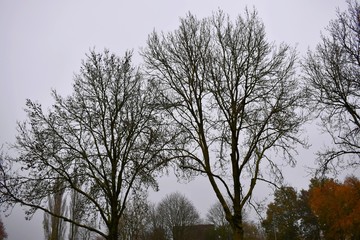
194	232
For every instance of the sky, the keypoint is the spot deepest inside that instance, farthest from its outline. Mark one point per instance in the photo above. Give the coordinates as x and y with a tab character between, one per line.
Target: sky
43	42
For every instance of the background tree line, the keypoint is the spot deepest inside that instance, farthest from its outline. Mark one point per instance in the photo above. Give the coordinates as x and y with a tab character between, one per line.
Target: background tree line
175	217
213	97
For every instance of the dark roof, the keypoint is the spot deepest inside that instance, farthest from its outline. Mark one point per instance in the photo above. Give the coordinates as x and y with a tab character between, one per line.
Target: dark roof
193	232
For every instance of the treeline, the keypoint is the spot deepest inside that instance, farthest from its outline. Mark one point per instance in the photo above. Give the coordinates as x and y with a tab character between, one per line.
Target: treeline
328	209
213	97
175	217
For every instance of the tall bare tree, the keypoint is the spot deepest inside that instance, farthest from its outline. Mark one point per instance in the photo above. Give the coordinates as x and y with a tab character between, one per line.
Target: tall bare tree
332	71
102	142
233	101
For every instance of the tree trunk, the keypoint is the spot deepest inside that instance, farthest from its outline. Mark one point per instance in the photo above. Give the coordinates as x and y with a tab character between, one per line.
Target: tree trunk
113	232
237	228
114	222
55	229
238	234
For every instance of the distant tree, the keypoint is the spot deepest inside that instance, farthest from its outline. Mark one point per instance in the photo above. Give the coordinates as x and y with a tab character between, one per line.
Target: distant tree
3	234
308	222
253	231
282	215
332	72
233	101
54	227
175	212
134	222
337	207
216	216
103	142
154	229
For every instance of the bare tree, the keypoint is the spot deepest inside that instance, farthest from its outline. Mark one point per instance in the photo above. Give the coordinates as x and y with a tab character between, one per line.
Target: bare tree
233	101
134	221
102	142
175	212
333	75
216	216
54	227
154	229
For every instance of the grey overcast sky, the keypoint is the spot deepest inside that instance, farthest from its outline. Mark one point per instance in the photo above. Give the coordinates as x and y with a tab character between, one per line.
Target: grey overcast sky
43	42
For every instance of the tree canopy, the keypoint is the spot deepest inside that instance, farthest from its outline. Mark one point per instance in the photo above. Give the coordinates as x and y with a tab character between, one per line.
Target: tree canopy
282	215
103	142
332	71
329	209
175	212
232	99
337	207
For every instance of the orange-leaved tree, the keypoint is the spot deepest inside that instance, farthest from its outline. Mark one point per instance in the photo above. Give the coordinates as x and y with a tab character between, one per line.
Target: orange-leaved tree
337	206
